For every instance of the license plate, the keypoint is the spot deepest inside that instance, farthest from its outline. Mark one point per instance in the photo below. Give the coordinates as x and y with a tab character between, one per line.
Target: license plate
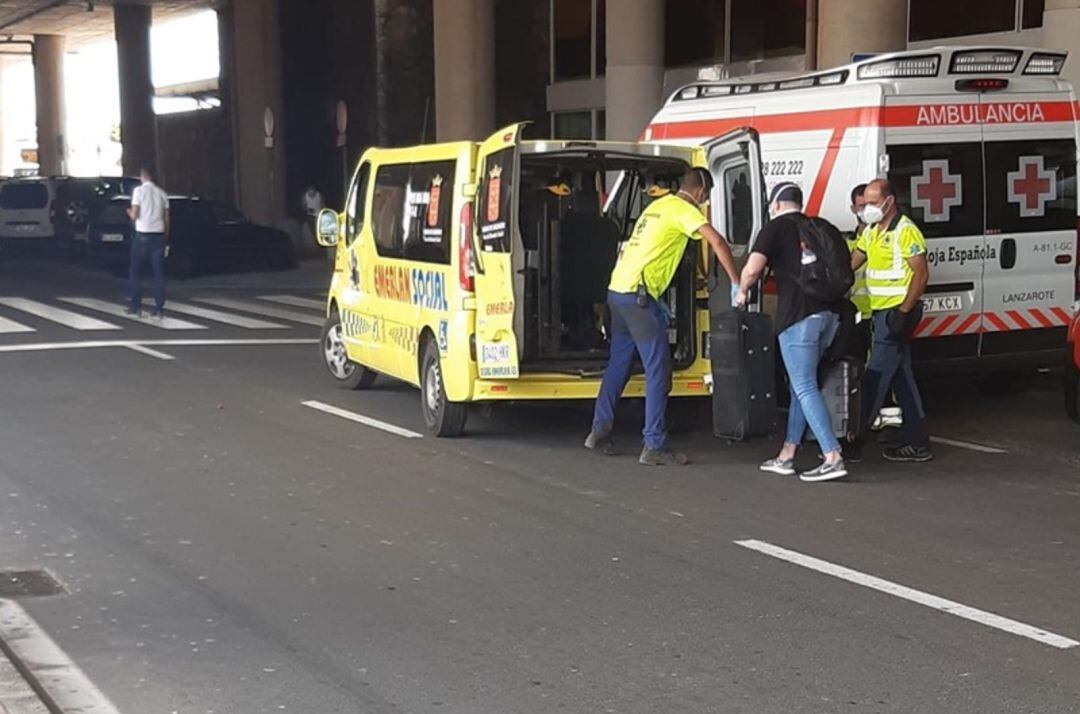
943	303
112	238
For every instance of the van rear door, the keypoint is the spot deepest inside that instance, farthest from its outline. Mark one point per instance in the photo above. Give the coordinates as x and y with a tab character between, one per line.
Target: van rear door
1030	222
497	309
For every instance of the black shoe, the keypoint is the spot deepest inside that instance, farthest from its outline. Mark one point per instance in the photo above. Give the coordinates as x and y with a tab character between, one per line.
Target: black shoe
662	457
908	454
602	443
136	313
851	453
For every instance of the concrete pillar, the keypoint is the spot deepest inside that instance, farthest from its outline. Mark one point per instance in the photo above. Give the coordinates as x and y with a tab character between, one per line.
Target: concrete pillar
138	126
51	110
464	69
3	152
1061	31
847	26
255	83
635	66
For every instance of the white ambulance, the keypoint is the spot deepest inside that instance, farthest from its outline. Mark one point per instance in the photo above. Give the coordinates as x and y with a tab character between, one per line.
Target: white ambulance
980	145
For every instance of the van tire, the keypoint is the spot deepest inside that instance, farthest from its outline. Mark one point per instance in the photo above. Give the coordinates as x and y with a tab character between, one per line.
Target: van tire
1004	383
442	417
345	373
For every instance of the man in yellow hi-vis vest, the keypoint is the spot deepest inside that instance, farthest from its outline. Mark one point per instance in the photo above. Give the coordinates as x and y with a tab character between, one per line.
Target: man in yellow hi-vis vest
894	252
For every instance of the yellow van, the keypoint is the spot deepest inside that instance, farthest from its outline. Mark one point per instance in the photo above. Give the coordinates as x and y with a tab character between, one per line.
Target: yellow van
478	271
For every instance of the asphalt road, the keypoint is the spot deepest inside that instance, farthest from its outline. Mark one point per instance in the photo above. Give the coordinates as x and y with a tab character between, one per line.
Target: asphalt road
227	549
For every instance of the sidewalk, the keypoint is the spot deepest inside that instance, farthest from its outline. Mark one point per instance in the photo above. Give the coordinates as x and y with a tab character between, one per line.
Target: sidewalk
16	696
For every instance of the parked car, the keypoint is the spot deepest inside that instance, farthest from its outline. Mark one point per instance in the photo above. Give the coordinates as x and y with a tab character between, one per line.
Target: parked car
1072	368
26	211
205	235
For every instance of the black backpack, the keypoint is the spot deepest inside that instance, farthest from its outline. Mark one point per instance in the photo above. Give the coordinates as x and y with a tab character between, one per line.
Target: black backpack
828	278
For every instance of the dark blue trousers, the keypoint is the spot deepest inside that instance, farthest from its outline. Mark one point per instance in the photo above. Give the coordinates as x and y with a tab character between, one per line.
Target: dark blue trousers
147	246
890	371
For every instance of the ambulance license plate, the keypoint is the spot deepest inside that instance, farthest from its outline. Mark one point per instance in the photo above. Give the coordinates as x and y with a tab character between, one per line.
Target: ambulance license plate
112	237
943	303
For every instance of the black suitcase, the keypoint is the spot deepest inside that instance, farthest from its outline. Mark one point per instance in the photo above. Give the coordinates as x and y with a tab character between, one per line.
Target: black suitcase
742	349
841	386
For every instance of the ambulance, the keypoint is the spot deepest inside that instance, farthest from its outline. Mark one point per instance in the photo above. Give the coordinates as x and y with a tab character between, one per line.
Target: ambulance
980	145
478	272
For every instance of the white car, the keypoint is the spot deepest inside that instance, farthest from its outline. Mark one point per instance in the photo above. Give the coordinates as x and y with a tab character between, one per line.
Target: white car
26	210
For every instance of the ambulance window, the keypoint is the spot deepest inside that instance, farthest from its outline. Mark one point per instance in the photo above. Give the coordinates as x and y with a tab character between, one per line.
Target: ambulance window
354	210
430	205
495	204
388	210
940	186
1031	185
738	205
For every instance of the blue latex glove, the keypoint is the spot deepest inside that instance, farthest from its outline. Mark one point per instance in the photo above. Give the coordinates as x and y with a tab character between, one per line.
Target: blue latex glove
734	295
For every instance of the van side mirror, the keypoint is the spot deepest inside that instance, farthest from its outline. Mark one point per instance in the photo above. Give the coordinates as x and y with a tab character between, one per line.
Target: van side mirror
327	228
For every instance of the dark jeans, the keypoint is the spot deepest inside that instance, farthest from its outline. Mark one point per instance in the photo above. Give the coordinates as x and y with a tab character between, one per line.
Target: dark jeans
890	370
644	330
144	246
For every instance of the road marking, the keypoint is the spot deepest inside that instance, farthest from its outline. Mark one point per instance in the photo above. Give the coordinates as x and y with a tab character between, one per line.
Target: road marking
361	419
968	445
228	318
167	323
267	310
97	344
149	352
953	608
295	301
67	318
10	327
54	676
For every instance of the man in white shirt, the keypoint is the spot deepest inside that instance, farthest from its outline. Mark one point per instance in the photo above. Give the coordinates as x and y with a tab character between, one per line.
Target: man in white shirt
150	211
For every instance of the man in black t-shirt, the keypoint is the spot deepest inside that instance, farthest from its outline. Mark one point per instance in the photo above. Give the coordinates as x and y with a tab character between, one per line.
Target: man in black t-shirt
805	328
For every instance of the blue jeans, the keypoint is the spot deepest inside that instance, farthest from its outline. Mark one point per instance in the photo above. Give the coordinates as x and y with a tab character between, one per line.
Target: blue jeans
802	346
143	246
890	371
644	330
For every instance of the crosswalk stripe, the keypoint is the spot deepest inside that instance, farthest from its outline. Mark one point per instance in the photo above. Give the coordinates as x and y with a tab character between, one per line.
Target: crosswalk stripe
295	301
10	327
168	323
267	310
59	315
226	317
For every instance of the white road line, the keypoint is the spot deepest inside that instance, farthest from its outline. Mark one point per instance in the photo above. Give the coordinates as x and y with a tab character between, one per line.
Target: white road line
10	327
97	344
361	419
228	318
953	608
149	352
66	685
67	318
267	310
168	323
968	445
295	301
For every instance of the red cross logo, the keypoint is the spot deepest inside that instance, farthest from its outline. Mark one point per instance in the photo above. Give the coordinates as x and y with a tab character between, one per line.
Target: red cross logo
1031	186
936	191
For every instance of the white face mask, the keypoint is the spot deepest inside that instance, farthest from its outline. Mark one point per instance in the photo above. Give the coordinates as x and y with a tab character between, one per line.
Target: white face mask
872	214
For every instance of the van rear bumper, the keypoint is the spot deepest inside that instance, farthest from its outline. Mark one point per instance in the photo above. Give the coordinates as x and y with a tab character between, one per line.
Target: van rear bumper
555	387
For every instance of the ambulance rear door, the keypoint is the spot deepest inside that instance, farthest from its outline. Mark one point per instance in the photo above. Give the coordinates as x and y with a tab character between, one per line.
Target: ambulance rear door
495	237
1029	141
934	160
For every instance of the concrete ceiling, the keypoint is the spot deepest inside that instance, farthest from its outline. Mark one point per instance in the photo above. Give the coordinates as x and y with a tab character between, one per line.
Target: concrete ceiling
75	19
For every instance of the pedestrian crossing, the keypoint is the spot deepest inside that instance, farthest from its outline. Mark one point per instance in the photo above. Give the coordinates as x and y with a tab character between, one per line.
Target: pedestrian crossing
20	315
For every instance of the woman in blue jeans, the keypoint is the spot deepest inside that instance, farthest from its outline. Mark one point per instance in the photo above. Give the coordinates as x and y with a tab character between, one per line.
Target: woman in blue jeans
806	328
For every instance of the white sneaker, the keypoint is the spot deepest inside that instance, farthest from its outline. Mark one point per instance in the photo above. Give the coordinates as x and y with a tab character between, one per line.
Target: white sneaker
825	472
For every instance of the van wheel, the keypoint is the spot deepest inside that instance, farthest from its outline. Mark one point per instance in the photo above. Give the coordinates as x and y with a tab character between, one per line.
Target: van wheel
1072	389
345	373
1003	384
682	414
442	417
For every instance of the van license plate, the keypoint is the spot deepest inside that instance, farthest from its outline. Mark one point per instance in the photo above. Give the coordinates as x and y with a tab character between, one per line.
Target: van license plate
943	303
112	237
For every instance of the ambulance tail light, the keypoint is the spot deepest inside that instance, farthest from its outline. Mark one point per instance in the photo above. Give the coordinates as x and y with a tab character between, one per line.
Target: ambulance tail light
1045	63
466	253
921	66
988	84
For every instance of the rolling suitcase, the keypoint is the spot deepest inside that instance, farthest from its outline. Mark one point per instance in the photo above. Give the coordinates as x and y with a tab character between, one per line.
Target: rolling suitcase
841	386
742	349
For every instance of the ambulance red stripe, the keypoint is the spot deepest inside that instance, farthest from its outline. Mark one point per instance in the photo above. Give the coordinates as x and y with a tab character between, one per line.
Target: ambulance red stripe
1017	318
942	328
1041	318
972	321
997	322
1061	315
817	193
924	326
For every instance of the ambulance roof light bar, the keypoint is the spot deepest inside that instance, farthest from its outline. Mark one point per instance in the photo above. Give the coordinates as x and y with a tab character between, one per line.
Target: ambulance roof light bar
701	91
1045	63
901	67
985	61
